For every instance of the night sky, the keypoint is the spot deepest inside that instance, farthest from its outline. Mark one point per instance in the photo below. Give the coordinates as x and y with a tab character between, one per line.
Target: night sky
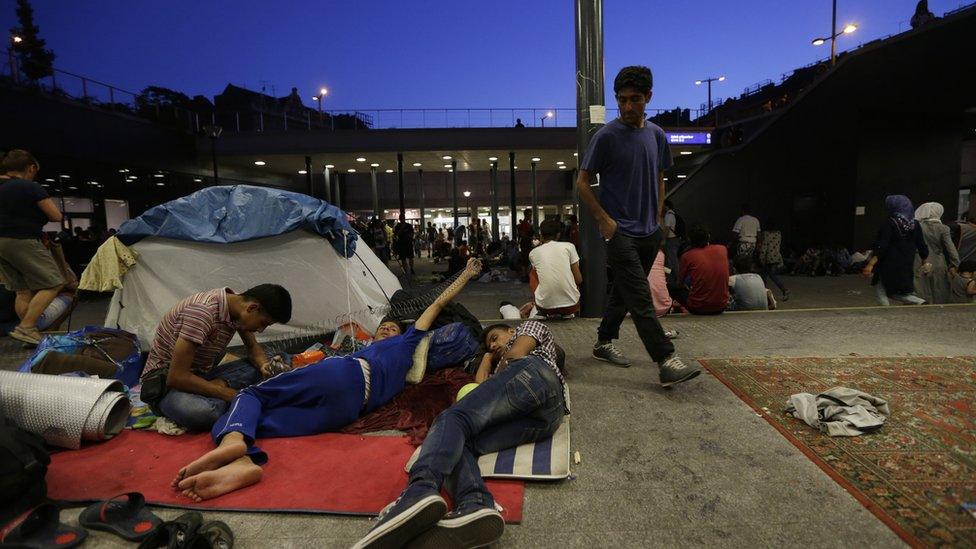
438	53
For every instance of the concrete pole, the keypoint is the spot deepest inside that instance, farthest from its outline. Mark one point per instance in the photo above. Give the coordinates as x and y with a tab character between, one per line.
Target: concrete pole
376	200
403	209
420	192
589	100
454	197
308	176
511	171
535	201
494	201
338	190
327	174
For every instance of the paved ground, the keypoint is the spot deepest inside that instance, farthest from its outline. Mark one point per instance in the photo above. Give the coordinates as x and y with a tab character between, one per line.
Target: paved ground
688	466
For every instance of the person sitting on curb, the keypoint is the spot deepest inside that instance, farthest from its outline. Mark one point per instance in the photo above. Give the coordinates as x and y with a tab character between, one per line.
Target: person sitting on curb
180	380
555	277
522	399
705	269
322	397
746	288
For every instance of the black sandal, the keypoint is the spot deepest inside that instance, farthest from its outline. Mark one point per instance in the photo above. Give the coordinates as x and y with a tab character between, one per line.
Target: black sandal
41	528
175	534
124	515
214	535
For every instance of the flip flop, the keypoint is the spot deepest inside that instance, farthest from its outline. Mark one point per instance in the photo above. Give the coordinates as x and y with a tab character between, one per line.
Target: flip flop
127	517
175	534
40	528
214	535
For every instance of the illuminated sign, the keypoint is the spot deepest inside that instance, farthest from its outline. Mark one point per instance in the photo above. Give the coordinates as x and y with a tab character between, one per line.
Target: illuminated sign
689	138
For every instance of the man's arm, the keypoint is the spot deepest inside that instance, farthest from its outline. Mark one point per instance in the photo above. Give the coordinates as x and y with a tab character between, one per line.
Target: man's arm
254	351
606	223
662	189
182	378
50	210
484	369
577	275
430	314
523	345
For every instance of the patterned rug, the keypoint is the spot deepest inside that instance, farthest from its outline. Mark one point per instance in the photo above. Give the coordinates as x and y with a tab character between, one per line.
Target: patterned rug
917	471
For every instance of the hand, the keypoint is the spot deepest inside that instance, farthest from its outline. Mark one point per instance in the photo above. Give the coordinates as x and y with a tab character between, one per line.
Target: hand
473	267
608	227
926	268
867	273
265	369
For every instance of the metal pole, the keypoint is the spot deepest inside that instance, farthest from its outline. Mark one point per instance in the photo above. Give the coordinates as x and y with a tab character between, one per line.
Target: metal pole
833	34
511	171
420	189
327	174
308	175
589	93
535	202
376	200
454	193
338	190
403	209
709	95
494	201
213	154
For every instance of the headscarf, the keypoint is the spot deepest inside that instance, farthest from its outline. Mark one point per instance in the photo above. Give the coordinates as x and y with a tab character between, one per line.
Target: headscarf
901	212
930	211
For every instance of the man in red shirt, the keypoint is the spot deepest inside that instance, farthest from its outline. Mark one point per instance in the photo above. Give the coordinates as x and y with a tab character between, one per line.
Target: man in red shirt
705	269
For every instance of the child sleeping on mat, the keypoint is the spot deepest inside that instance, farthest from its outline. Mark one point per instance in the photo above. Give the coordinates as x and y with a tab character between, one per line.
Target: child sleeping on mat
318	398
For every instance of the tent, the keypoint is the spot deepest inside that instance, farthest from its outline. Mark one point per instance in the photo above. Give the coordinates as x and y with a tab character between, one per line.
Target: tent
241	236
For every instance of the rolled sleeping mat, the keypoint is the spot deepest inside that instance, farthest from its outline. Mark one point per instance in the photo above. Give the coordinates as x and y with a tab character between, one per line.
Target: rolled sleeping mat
64	409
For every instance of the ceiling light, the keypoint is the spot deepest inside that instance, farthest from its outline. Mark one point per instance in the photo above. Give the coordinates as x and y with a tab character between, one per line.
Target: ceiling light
536	159
562	167
302	172
72	188
467	194
575	154
682	176
160	184
685	153
493	158
516	167
665	178
351	170
559	162
65	176
417	164
49	180
157	175
389	171
132	178
447	165
447	157
360	159
259	162
329	166
197	180
123	170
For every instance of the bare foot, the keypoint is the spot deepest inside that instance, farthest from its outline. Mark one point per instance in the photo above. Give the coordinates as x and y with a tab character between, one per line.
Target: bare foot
231	447
238	474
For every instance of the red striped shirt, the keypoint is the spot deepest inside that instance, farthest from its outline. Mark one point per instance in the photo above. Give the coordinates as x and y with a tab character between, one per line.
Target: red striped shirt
202	318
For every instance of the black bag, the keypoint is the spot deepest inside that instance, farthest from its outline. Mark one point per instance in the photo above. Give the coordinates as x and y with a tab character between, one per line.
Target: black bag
154	388
23	464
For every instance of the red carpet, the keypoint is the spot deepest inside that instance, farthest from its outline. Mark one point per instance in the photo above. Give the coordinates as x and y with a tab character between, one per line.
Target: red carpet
330	473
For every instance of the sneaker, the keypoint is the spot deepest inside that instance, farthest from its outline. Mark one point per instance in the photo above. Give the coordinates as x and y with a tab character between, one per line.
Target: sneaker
673	370
607	352
671	334
416	510
473	526
31	336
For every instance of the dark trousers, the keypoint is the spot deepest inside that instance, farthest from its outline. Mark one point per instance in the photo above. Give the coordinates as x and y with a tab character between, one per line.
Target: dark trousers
630	261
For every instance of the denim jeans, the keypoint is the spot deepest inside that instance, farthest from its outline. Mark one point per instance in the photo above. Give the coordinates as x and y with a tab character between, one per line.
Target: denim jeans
630	261
522	403
198	412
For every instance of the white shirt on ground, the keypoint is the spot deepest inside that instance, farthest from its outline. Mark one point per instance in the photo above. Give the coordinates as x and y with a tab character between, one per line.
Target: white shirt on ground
557	287
747	228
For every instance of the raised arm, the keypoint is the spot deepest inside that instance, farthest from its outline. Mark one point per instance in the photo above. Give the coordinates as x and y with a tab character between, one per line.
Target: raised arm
427	318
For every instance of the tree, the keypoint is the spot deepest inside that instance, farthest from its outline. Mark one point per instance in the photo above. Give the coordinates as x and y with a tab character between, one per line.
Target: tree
36	62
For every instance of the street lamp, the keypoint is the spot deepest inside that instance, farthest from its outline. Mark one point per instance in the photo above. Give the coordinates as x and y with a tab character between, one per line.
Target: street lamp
16	39
709	81
213	132
549	114
322	93
848	29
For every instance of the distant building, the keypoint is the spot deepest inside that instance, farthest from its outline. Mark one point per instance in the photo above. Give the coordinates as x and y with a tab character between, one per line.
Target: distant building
249	110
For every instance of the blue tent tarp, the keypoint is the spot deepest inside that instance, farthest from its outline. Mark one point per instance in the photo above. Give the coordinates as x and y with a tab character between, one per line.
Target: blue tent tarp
241	212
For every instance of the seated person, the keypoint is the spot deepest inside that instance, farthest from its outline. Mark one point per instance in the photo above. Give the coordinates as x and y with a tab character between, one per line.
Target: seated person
963	283
190	340
522	399
555	285
748	292
705	269
318	398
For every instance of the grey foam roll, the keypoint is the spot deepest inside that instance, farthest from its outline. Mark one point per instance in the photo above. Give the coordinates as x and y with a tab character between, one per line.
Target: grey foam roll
64	409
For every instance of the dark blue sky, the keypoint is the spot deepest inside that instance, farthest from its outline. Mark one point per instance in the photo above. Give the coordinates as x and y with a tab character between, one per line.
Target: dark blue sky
444	53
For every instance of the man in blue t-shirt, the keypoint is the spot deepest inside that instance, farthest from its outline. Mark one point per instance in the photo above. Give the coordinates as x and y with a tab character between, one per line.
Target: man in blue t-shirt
630	154
319	398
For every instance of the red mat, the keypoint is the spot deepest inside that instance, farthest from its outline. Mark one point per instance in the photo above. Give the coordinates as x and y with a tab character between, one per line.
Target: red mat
329	473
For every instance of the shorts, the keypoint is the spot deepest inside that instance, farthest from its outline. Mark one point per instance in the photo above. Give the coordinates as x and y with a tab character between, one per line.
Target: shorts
26	264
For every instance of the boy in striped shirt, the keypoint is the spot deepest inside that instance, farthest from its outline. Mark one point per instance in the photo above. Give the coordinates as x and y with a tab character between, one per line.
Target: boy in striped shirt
193	336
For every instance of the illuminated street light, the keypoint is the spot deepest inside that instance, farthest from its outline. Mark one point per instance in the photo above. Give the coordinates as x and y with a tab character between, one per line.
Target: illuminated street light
549	114
322	93
848	29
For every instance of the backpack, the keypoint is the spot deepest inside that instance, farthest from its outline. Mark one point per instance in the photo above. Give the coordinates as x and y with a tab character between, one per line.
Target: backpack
23	464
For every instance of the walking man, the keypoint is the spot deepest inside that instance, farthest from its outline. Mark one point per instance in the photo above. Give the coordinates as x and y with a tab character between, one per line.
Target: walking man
630	154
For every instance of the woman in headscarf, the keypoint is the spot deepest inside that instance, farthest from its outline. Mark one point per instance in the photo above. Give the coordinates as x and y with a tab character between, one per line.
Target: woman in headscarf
934	286
891	265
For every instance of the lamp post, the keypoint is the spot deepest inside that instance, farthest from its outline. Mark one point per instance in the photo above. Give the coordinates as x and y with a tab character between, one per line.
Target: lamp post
213	132
709	81
322	93
548	115
467	198
848	28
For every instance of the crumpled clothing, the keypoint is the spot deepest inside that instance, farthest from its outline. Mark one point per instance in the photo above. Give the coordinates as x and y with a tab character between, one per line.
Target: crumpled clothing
105	271
167	426
840	411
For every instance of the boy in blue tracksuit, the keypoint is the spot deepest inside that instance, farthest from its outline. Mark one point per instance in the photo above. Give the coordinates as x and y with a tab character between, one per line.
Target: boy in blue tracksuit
318	398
